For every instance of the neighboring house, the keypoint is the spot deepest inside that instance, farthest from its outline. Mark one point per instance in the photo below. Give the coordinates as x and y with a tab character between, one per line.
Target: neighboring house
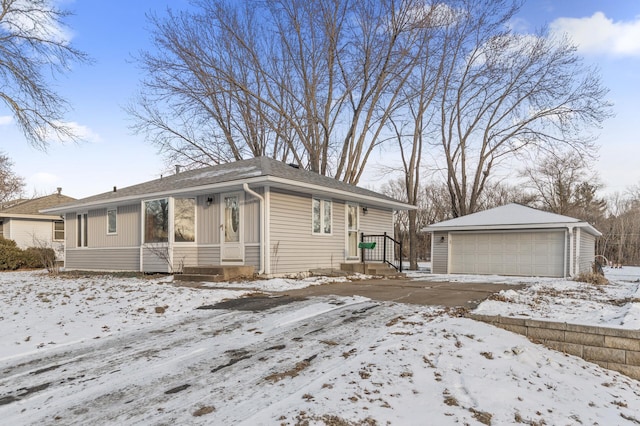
259	212
513	240
22	222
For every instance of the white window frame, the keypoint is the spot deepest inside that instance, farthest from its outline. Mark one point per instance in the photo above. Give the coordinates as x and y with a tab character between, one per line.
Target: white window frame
323	202
82	230
169	221
53	238
195	221
115	231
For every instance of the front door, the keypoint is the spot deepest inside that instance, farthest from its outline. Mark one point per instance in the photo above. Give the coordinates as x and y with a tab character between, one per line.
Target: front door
231	238
352	231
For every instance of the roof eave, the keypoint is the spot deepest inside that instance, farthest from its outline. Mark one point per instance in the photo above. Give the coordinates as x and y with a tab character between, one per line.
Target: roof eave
589	228
29	216
397	205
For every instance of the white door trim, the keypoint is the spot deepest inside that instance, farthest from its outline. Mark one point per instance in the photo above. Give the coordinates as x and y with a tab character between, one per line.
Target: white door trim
232	252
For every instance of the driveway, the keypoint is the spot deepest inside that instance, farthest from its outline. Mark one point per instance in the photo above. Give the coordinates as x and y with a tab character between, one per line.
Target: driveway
449	294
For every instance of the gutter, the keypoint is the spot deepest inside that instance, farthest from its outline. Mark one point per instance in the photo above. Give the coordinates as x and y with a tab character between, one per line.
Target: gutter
248	190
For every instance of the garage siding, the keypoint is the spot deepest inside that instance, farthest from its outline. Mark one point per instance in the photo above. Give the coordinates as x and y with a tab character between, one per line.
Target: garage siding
508	253
587	252
440	253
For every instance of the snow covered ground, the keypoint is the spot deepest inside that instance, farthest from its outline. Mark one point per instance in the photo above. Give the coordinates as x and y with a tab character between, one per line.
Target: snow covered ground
106	350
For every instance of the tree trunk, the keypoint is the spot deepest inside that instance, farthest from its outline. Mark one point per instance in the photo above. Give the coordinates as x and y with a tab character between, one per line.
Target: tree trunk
413	237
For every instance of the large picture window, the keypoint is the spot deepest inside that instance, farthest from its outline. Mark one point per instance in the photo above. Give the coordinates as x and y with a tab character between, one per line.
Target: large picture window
156	221
321	216
184	220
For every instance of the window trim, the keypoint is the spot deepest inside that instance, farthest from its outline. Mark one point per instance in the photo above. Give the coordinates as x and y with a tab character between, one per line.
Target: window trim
169	221
115	231
82	230
323	202
195	220
58	230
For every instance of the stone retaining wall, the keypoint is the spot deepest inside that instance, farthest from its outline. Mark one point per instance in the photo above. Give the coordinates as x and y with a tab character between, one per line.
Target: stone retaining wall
612	348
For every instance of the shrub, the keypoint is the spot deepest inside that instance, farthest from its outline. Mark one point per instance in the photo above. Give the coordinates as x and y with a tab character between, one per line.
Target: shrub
591	278
11	257
39	257
7	243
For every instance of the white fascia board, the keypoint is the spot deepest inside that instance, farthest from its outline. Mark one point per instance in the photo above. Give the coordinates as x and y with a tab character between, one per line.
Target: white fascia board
203	189
523	227
374	201
30	216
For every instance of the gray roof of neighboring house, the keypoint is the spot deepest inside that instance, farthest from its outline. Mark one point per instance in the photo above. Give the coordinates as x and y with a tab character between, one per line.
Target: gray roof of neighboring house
254	170
510	216
33	206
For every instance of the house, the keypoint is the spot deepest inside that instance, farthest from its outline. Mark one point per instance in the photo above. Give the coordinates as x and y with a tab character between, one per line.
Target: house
260	212
21	221
513	240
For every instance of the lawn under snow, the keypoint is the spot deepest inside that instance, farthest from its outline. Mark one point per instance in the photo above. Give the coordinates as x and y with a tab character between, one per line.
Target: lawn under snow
107	350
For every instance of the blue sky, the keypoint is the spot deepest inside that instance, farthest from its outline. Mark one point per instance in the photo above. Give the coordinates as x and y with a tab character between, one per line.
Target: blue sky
112	32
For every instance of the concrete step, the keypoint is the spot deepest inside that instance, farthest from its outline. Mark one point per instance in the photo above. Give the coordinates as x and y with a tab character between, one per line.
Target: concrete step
372	269
198	277
222	273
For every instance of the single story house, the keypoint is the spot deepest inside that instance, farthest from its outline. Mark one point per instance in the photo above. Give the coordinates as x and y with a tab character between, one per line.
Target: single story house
277	217
22	222
513	240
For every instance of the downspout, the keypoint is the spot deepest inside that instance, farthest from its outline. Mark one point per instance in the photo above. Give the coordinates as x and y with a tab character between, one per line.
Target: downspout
571	261
248	190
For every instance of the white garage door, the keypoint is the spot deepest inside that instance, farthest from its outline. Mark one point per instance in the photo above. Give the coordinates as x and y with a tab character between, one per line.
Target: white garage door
508	253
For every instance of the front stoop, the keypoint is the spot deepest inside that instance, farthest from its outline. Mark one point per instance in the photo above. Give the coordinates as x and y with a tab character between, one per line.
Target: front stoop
380	269
215	273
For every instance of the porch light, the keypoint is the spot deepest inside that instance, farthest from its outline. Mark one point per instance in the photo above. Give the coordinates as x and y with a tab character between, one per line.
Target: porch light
365	210
209	201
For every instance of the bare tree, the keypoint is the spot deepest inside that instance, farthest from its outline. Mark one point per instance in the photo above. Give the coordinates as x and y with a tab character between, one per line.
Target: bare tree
33	43
564	183
11	185
505	93
314	82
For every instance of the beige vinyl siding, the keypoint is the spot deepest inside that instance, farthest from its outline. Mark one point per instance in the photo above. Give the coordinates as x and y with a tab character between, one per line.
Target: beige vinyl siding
376	221
252	255
208	218
293	246
128	232
251	219
70	230
184	256
440	253
30	232
587	252
154	259
209	255
103	259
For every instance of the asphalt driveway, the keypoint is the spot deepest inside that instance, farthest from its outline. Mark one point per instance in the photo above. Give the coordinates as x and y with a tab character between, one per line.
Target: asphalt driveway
450	294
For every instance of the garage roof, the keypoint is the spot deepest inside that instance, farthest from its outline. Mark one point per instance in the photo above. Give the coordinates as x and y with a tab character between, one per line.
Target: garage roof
511	216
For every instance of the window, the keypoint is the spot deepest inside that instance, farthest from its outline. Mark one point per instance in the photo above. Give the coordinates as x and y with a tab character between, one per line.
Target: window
1	229
321	216
156	221
184	220
83	230
112	221
58	230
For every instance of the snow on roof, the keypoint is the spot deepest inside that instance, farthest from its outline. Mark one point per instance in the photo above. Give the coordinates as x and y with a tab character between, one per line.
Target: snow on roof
509	216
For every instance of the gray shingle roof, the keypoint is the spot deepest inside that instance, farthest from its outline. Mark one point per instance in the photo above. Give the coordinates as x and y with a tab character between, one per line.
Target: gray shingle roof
509	216
231	173
34	206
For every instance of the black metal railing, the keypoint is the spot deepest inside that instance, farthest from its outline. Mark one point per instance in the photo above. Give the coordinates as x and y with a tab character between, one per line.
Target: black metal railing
386	250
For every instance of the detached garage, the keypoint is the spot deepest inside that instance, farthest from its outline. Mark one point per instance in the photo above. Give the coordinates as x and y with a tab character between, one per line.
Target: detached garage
513	240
